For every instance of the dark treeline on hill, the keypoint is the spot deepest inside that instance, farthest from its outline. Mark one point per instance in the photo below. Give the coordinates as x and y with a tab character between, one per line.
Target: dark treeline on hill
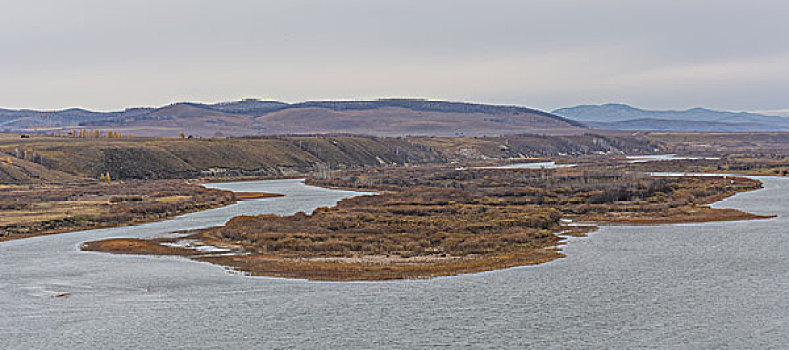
59	159
395	117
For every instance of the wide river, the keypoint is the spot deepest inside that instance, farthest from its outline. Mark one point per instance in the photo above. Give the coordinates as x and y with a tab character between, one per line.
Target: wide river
693	286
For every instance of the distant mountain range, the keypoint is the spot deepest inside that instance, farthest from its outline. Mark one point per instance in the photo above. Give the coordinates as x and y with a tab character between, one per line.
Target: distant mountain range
624	117
393	117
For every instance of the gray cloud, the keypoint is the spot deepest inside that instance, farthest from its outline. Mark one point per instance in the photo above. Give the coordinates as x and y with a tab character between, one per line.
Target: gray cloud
541	53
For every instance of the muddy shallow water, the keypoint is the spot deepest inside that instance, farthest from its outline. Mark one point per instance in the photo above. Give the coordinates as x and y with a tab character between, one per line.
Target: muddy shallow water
713	285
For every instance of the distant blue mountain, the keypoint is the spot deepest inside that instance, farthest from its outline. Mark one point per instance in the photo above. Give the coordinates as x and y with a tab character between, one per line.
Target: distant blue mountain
624	117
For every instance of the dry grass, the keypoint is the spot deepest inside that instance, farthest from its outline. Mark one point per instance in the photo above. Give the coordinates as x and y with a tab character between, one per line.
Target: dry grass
135	246
265	265
437	221
32	210
255	195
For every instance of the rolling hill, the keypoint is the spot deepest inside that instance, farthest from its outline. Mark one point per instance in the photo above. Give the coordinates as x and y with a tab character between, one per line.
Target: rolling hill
394	117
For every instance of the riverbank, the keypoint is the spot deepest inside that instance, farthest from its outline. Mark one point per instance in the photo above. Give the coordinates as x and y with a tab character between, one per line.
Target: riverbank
43	209
362	267
366	267
444	222
700	212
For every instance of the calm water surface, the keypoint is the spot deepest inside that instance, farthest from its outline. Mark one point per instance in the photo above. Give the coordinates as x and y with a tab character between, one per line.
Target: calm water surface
695	286
661	157
533	165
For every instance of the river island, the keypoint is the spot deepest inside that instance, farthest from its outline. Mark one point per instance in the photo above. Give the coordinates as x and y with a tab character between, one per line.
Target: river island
439	220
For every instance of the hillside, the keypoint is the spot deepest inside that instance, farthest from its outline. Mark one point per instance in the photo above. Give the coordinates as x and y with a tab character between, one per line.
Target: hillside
62	159
624	117
256	118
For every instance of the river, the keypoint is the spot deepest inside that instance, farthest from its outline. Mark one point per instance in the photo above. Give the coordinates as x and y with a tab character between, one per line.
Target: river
537	165
691	286
662	157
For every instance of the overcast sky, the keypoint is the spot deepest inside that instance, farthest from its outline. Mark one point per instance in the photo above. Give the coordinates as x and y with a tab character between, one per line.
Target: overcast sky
104	54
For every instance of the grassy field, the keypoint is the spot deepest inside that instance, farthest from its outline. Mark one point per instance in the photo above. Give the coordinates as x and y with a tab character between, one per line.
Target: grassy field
32	210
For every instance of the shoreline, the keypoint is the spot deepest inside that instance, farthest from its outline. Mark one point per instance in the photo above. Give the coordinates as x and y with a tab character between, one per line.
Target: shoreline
98	227
376	268
239	196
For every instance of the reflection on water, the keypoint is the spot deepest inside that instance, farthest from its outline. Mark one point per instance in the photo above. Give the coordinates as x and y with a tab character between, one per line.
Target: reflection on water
713	285
662	157
537	165
684	174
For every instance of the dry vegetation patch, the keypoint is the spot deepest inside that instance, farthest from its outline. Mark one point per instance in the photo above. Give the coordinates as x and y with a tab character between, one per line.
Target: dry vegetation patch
29	210
437	220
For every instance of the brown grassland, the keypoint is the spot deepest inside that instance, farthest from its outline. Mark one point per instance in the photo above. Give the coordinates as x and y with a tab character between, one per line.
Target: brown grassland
435	220
32	210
